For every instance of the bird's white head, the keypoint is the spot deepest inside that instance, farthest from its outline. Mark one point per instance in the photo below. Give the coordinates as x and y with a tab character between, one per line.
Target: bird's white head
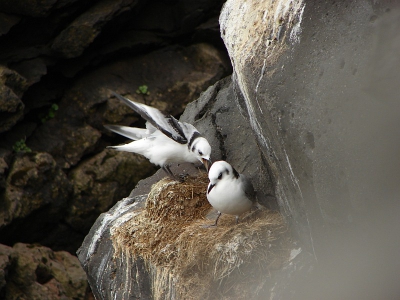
220	170
202	150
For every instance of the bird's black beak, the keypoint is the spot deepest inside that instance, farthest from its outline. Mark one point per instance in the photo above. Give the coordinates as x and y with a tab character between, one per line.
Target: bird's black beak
207	163
210	187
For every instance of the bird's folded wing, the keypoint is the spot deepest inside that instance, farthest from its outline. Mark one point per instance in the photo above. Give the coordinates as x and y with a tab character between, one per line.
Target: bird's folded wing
167	124
248	188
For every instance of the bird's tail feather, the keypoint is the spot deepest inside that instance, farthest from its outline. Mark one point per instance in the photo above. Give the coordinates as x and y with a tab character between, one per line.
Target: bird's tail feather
114	147
139	147
129	132
125	148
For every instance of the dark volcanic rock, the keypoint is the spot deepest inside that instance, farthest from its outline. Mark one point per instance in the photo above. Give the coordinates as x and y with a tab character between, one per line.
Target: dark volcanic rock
11	108
6	22
176	17
34	198
29	8
3	169
5	253
32	69
12	86
35	272
68	142
13	80
100	182
74	39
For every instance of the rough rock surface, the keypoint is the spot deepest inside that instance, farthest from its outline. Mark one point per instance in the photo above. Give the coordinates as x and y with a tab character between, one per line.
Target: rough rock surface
100	182
316	81
36	272
37	190
316	84
11	106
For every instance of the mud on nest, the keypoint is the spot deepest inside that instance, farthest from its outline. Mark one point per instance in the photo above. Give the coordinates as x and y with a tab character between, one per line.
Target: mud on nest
202	263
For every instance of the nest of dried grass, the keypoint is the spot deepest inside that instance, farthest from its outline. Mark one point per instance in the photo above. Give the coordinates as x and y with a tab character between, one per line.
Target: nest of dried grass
192	262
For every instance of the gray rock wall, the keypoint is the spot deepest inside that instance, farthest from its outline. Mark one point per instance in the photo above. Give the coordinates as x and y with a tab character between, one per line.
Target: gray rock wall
318	83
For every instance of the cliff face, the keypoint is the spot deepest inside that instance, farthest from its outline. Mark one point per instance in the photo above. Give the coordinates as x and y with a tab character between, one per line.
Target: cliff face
311	115
317	82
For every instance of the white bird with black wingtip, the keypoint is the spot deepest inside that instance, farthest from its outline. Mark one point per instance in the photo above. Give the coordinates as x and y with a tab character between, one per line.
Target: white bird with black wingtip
165	140
228	191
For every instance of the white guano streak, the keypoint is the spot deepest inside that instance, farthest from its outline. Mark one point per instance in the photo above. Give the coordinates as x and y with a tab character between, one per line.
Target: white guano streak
108	218
294	36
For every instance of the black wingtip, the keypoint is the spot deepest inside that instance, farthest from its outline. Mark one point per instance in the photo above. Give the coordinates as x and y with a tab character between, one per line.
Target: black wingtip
131	104
118	96
174	123
235	173
122	98
210	187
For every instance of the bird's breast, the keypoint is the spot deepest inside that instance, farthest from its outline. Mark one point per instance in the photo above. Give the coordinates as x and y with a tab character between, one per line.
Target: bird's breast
228	198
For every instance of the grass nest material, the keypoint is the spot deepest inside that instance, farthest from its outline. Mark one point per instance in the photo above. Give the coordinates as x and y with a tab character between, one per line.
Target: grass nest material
228	261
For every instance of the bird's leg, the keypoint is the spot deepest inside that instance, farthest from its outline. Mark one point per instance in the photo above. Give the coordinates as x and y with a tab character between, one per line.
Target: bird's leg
170	174
216	220
215	223
168	171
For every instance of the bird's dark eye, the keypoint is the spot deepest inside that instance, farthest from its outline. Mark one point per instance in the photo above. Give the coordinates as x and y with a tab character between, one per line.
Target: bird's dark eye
200	153
220	176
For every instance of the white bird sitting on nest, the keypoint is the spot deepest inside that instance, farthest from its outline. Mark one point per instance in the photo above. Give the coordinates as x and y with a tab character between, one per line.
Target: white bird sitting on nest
165	140
228	191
